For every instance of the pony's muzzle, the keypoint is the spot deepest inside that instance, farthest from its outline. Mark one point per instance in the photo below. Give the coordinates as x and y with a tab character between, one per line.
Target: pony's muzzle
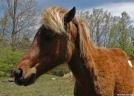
18	76
24	78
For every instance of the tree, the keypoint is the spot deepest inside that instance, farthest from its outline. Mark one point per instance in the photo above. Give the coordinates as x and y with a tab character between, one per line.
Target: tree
133	45
21	18
16	29
3	27
100	23
120	34
110	31
131	30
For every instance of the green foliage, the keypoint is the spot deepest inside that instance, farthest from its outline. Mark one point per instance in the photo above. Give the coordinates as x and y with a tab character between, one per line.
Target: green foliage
8	60
120	35
60	70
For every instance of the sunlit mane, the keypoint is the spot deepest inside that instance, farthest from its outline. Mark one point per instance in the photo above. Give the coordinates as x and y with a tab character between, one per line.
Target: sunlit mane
53	18
85	39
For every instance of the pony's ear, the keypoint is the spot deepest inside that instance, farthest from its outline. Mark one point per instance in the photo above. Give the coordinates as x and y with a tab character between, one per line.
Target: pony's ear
70	15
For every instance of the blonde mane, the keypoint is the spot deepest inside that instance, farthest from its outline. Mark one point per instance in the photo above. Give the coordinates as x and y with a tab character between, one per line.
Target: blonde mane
85	39
53	18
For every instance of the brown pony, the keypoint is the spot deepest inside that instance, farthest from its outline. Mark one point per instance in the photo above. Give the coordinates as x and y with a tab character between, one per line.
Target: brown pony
65	38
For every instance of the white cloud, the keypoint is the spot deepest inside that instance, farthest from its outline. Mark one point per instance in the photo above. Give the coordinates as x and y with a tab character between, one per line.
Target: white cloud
118	8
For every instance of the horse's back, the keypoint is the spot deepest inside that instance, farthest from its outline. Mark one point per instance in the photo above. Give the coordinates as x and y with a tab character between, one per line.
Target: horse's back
115	63
124	77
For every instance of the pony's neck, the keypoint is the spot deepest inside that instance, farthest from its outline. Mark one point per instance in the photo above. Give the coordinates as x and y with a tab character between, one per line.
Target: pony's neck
84	70
81	63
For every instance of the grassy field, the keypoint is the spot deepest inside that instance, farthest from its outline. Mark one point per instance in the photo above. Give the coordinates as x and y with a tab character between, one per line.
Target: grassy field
44	86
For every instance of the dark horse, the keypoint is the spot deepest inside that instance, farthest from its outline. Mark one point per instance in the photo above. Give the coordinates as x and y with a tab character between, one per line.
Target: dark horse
65	38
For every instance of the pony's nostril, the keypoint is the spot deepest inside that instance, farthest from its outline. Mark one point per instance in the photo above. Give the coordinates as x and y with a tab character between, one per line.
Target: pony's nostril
18	73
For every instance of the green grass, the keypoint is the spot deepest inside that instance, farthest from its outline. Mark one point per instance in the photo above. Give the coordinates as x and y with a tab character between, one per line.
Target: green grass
44	86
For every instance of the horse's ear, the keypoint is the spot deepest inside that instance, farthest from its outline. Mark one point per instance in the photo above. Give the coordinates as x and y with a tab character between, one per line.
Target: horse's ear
70	15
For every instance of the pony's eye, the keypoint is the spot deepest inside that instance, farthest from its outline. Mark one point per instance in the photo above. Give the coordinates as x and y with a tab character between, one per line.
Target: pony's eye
50	36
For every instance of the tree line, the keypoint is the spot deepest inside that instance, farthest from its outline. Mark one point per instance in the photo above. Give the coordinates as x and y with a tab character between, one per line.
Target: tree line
19	24
110	31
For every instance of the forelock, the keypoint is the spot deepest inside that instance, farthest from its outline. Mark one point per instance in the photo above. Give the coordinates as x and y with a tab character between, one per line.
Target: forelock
53	18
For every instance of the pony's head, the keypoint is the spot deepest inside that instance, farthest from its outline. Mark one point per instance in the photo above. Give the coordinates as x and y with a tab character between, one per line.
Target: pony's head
53	44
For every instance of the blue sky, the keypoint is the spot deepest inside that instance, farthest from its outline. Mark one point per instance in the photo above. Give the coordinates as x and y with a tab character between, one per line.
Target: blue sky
113	6
116	7
80	4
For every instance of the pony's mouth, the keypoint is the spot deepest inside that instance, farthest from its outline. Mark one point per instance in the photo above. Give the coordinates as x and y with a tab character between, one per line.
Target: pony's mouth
25	81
